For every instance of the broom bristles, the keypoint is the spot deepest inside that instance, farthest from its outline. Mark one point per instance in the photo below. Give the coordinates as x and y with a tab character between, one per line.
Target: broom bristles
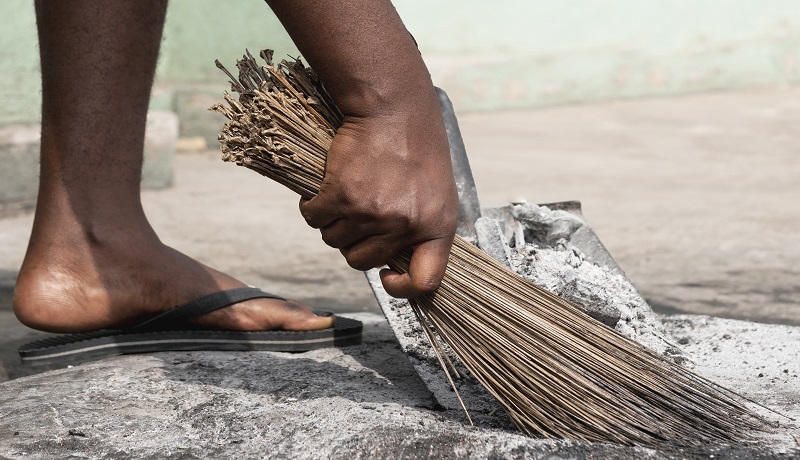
556	371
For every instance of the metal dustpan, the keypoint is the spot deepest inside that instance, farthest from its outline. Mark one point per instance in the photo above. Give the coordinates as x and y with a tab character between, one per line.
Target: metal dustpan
483	408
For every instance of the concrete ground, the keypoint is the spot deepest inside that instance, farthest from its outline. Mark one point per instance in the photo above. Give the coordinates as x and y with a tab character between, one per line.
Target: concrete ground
695	197
359	402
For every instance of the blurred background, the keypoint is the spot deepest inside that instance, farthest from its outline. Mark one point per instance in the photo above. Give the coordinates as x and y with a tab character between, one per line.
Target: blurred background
496	55
675	123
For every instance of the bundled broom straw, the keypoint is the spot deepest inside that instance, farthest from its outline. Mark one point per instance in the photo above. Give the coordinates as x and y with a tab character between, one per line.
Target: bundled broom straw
557	372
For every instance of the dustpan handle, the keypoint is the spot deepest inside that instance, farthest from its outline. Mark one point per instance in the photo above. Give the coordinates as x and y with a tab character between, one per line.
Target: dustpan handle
469	208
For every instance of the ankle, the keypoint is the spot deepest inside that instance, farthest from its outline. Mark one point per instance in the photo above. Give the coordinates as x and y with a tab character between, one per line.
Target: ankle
74	273
45	297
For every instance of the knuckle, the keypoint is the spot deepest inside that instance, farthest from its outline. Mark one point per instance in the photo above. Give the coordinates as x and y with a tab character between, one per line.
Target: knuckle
426	284
410	217
309	218
358	264
359	260
330	240
361	266
348	195
385	209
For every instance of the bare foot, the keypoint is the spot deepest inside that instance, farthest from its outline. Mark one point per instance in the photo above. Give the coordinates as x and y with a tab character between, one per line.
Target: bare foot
77	281
93	261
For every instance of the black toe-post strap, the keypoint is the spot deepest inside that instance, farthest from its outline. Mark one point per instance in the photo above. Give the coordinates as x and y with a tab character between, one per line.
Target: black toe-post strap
201	306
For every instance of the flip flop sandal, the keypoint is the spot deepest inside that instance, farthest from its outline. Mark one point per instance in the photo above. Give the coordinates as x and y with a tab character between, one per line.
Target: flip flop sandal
170	332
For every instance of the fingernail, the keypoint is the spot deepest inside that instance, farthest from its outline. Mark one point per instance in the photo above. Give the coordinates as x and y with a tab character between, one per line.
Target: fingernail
323	314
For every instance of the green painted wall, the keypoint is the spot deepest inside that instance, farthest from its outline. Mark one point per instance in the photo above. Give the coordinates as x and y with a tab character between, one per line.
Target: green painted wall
199	31
485	54
517	54
20	89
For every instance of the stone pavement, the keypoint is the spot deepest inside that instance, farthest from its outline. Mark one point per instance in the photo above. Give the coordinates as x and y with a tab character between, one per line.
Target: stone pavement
360	402
696	198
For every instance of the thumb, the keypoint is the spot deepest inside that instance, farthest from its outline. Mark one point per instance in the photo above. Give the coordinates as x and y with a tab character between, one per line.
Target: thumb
425	271
318	211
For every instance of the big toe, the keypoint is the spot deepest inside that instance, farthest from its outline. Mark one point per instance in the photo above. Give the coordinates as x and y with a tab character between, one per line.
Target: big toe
294	316
266	315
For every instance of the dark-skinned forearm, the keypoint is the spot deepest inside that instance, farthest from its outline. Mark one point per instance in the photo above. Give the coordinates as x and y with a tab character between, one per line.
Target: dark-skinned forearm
361	50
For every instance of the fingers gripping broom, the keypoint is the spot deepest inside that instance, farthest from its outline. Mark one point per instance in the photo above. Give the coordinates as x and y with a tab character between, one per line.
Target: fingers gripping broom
557	372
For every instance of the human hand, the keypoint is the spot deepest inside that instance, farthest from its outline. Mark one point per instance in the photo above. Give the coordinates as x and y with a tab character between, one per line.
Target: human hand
389	186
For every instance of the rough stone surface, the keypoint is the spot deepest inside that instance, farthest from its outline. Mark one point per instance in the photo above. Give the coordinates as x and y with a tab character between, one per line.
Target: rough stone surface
358	402
492	240
759	361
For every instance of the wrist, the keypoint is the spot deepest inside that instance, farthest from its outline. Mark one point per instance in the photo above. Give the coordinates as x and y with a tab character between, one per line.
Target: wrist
378	99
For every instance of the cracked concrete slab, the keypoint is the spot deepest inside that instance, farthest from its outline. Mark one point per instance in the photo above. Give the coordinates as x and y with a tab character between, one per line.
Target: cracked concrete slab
357	402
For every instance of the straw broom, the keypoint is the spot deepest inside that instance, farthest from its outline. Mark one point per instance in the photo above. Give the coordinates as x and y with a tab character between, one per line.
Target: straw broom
557	372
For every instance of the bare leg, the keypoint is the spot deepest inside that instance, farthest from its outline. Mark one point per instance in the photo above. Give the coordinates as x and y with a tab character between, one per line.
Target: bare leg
93	260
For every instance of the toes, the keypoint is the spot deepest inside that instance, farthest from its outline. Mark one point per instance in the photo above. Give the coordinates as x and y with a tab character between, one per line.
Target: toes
294	316
265	315
269	314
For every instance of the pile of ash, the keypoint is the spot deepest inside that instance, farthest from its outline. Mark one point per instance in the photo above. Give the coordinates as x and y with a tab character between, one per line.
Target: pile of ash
537	243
